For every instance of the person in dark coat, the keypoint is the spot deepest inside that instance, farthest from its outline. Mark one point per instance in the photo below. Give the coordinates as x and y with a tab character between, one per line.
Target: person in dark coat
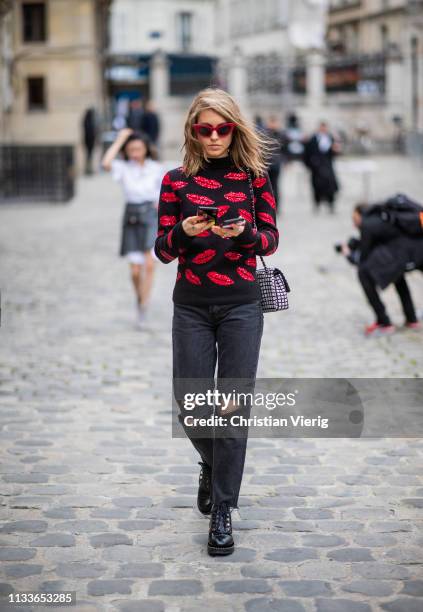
275	162
383	254
318	157
135	115
89	127
150	123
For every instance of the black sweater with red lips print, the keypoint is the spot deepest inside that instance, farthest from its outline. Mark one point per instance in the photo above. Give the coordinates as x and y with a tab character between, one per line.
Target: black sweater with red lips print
211	269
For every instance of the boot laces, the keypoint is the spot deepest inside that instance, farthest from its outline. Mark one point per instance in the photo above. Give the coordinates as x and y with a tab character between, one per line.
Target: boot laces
221	518
204	473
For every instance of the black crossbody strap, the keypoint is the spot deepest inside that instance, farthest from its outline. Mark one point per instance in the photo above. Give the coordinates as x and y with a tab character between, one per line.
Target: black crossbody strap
253	207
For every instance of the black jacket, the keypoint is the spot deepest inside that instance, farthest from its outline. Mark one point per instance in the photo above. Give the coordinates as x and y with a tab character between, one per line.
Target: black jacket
385	252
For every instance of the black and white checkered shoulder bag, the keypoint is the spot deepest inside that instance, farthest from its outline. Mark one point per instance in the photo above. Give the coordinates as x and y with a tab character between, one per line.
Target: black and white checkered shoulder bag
273	285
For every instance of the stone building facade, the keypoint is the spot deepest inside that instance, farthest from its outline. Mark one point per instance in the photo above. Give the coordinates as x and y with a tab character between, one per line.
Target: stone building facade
52	69
382	42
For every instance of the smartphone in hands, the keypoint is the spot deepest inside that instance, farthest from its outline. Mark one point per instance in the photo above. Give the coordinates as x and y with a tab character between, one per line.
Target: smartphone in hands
227	223
208	212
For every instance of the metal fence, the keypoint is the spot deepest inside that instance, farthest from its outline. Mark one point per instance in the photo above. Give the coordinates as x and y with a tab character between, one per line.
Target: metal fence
274	74
37	173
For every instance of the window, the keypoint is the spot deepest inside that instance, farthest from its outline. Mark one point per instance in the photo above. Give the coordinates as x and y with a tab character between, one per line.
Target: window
185	30
36	93
33	21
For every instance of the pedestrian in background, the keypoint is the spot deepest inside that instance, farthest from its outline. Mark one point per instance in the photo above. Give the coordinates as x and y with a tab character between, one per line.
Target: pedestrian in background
135	115
294	139
218	317
318	157
273	130
140	177
150	123
89	126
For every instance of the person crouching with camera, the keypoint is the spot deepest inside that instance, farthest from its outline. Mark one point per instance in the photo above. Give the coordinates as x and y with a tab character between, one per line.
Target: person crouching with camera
383	254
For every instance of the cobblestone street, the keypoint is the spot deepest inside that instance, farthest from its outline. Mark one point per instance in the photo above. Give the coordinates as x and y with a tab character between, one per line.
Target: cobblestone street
99	499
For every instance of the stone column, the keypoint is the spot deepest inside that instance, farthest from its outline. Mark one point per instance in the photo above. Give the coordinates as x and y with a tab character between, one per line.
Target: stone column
159	79
315	79
238	79
394	83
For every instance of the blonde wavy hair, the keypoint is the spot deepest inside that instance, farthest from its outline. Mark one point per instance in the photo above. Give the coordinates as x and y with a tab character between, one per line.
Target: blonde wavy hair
248	148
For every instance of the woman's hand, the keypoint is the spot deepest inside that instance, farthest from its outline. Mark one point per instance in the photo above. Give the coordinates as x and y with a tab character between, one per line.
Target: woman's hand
235	230
196	224
124	133
115	147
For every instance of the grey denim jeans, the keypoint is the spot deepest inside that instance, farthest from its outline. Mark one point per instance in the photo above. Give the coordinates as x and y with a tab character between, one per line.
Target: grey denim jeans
230	336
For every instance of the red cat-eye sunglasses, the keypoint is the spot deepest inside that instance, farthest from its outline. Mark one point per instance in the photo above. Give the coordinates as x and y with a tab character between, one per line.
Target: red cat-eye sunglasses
205	129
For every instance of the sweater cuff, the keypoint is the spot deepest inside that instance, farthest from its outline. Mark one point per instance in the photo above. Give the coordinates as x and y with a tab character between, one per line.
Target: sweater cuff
248	235
181	237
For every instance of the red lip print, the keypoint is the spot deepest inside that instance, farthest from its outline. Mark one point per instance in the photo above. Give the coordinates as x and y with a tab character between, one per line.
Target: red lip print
166	255
266	195
182	259
245	274
266	218
208	183
259	182
199	199
235	196
167	220
247	215
203	234
251	261
204	257
160	232
220	279
236	176
264	241
222	210
166	180
169	196
191	277
179	276
178	184
232	255
247	246
169	239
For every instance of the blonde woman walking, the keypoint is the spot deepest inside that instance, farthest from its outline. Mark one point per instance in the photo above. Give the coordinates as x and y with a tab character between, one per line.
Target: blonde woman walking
217	317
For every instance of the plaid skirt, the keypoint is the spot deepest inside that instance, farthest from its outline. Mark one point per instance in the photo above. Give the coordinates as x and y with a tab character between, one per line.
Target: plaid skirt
139	227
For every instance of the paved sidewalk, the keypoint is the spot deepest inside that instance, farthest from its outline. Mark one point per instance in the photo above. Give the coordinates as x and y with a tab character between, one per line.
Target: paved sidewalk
96	495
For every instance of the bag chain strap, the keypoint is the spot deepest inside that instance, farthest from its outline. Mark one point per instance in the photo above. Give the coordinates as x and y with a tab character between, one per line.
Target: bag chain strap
250	182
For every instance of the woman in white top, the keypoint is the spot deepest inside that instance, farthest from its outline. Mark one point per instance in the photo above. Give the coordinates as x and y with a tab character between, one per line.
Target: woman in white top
140	177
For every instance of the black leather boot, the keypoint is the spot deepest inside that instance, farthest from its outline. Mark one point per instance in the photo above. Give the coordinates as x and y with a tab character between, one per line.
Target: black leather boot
204	502
220	533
